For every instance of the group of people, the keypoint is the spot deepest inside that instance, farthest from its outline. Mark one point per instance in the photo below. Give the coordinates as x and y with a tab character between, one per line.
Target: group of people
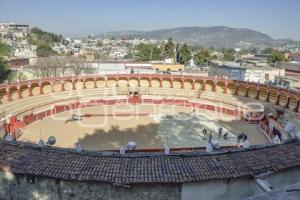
277	136
76	117
220	132
240	138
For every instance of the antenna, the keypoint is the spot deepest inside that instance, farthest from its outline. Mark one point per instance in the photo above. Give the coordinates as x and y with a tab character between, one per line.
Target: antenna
40	132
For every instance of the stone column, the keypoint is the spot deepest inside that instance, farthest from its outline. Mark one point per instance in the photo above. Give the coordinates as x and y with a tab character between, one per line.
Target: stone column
193	85
30	91
8	94
73	85
63	86
225	89
41	89
19	93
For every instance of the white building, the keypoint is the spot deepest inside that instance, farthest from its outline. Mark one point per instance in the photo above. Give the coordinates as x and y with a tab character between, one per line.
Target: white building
236	71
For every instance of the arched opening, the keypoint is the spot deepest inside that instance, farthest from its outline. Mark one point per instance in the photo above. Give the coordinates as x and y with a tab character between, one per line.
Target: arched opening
3	97
155	82
13	92
111	83
188	84
242	90
262	94
283	98
166	83
35	88
220	87
273	97
177	83
145	82
133	83
57	86
79	85
89	83
209	85
252	92
46	88
24	90
293	102
199	84
100	83
231	88
68	86
122	82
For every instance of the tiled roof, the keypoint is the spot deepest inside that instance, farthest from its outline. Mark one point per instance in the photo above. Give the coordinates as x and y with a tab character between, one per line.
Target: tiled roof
51	162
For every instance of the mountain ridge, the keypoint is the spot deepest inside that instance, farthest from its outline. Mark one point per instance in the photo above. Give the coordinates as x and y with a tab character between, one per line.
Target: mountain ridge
206	36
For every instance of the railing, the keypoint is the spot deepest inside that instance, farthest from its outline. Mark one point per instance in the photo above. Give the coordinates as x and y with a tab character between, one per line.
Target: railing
108	75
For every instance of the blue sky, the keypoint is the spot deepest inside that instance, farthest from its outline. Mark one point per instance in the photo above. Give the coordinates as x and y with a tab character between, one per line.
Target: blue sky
278	18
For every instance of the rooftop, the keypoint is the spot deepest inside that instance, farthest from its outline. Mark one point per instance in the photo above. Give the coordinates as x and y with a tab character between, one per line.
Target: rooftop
235	65
289	193
115	169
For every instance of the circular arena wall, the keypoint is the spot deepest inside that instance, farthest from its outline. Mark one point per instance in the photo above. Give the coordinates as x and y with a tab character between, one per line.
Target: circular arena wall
24	98
27	168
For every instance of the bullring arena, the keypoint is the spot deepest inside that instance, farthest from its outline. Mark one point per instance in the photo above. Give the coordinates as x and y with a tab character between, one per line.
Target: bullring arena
156	112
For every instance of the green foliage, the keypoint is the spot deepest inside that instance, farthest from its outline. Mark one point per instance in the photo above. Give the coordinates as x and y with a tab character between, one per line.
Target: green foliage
202	57
268	50
156	53
169	49
147	52
185	54
99	44
5	50
229	55
128	56
16	75
44	50
143	52
276	56
98	55
38	36
4	70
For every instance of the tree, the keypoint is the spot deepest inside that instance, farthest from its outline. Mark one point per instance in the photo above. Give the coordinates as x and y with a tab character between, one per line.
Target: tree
42	68
268	50
5	50
78	65
99	44
49	66
202	57
229	55
143	52
38	36
4	70
128	56
147	52
276	56
17	75
169	49
44	50
156	53
185	54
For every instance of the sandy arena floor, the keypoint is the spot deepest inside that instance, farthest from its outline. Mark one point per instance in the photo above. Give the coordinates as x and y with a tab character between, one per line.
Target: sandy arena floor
163	125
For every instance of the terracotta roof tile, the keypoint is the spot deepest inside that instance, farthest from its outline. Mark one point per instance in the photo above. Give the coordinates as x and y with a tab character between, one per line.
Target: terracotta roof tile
55	163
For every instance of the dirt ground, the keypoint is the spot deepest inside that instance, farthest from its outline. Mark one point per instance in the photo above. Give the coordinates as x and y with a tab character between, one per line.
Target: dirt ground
163	125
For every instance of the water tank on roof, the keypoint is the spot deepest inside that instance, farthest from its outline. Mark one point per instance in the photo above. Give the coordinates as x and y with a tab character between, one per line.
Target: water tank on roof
51	140
131	145
41	143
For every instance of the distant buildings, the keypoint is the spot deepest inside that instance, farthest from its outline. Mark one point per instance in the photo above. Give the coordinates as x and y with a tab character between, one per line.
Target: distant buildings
14	30
237	71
